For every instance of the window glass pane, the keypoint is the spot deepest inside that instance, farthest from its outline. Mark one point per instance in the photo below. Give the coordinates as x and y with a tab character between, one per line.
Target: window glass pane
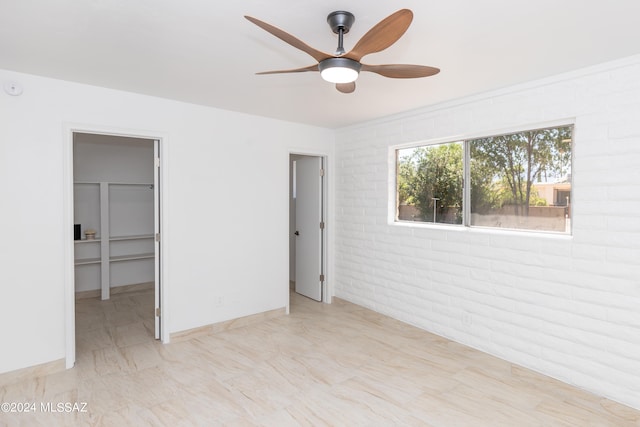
429	182
522	180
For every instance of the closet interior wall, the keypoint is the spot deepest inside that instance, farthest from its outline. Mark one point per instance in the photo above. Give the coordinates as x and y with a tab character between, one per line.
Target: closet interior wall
113	195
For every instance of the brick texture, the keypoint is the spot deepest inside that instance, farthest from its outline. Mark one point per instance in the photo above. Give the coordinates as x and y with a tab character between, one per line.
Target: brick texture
568	307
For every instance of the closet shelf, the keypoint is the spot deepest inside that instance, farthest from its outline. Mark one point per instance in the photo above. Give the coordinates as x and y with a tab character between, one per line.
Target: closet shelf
132	237
146	184
131	257
87	261
97	239
117	238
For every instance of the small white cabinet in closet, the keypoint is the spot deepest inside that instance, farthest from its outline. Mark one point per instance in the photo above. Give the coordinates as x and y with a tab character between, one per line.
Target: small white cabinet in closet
122	213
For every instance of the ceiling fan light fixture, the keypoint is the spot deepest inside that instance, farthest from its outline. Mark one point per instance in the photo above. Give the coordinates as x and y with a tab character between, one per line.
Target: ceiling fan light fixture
343	68
339	70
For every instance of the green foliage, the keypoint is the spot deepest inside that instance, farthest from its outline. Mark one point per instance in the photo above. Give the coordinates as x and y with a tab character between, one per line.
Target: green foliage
484	196
516	161
406	181
504	196
432	172
503	171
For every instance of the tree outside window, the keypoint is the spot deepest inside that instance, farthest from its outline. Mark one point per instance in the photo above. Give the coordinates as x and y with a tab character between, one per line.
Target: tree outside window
430	180
517	181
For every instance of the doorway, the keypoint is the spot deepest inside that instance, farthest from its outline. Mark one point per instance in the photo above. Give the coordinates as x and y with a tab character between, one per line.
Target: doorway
307	241
114	201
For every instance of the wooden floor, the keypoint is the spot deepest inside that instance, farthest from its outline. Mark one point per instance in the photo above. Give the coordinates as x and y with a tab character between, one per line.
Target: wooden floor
323	365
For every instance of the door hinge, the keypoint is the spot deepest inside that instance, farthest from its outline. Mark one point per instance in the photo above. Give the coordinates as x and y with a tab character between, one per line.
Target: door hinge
158	312
322	277
157	237
322	225
157	162
321	172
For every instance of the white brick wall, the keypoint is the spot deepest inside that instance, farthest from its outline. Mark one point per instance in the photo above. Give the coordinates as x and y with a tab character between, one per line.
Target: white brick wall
568	307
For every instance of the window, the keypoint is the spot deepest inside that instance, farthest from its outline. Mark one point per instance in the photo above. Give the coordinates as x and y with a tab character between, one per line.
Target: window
518	181
430	182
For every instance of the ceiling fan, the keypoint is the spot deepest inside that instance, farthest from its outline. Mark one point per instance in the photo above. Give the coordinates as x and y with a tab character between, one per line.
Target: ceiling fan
342	68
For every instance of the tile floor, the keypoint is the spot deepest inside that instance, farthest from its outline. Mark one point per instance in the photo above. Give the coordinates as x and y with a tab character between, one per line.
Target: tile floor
323	365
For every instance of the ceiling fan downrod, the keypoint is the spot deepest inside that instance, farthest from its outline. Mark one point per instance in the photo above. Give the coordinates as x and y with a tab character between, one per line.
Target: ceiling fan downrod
340	22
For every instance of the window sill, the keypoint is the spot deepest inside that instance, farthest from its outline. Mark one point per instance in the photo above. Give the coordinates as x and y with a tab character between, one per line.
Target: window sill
483	230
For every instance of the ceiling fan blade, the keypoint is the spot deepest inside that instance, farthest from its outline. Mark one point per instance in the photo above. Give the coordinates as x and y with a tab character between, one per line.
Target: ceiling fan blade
401	71
293	70
288	38
346	87
382	35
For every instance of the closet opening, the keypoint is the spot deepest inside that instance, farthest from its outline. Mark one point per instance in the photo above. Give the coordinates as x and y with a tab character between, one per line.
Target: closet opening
116	250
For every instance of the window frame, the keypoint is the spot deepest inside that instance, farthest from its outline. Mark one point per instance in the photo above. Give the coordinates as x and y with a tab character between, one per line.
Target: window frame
466	162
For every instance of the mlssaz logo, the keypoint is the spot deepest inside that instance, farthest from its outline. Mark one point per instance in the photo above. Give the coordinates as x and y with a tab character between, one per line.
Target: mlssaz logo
64	407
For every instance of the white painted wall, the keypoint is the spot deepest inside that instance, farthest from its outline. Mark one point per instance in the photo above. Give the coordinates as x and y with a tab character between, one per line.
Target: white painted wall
222	263
567	307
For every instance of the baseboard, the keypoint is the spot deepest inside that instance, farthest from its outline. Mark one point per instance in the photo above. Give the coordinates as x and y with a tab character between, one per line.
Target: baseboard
226	325
95	293
31	372
340	301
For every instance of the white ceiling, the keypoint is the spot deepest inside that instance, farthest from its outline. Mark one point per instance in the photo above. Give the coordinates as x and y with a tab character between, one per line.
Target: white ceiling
205	52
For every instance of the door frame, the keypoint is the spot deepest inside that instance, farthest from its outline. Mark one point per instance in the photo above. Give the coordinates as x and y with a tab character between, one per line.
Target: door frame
327	213
69	129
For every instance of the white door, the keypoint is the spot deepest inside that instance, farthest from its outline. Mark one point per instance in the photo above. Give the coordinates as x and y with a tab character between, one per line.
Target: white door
156	228
309	238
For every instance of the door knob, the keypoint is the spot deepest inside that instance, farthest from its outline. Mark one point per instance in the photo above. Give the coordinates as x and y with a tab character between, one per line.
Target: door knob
297	233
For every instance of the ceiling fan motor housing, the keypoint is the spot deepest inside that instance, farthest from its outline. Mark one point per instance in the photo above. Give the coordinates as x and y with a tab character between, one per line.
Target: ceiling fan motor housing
340	20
